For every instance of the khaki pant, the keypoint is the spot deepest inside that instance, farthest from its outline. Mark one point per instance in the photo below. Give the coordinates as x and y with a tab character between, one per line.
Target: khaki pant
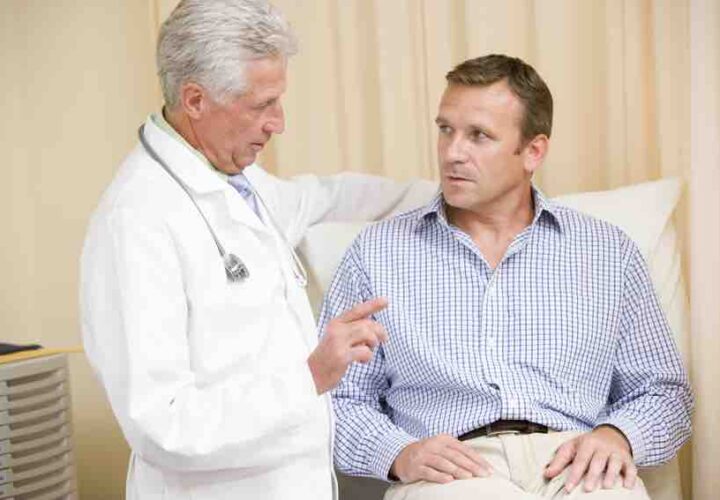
518	461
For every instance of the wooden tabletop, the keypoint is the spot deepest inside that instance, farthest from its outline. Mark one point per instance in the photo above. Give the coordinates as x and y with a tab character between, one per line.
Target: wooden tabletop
37	353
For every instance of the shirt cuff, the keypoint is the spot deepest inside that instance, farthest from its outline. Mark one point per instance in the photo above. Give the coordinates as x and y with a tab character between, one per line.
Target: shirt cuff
632	433
388	448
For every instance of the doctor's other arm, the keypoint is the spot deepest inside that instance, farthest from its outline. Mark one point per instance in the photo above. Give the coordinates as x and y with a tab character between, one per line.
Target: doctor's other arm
304	200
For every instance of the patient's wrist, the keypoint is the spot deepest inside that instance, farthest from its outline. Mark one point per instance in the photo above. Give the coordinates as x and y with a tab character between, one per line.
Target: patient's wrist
621	439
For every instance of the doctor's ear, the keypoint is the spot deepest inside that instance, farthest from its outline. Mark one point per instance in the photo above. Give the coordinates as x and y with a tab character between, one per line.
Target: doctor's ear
193	99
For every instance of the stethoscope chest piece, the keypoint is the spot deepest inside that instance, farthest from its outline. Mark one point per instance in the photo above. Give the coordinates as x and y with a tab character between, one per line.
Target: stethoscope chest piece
235	269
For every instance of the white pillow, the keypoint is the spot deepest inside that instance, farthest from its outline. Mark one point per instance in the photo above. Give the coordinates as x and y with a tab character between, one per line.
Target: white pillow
641	210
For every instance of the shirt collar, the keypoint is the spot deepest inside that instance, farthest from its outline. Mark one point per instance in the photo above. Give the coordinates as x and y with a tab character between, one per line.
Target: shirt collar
435	210
543	205
159	120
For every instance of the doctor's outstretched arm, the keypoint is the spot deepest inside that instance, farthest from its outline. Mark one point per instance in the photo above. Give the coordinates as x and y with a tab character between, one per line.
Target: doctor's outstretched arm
304	200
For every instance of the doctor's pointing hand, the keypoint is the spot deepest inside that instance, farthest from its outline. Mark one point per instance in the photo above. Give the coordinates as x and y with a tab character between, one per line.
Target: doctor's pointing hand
351	337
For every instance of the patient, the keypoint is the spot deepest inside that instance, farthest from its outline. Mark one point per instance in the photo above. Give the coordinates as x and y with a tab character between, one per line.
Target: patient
528	354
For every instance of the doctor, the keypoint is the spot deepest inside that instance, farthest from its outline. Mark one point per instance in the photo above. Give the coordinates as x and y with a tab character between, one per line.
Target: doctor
194	314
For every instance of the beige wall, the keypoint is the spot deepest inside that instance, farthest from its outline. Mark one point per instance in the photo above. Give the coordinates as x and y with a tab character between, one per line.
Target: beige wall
76	79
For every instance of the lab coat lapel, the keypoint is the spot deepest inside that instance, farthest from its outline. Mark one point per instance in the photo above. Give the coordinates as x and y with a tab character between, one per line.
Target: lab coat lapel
295	294
241	212
199	179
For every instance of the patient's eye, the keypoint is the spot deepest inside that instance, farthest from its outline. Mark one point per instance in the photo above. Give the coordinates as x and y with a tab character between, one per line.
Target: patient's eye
477	135
444	129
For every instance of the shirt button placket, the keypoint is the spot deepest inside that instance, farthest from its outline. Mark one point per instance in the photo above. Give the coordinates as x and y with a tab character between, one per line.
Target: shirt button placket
489	329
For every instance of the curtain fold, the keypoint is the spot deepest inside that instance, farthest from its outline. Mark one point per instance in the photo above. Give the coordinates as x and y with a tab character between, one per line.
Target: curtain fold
705	245
365	87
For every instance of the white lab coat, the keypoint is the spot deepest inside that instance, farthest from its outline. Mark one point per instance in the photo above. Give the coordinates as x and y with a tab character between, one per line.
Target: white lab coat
208	379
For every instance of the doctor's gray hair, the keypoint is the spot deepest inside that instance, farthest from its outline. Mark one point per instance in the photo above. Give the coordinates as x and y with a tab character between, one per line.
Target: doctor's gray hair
208	42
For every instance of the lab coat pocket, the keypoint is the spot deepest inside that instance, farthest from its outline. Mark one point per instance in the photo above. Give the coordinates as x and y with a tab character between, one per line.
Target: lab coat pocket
230	327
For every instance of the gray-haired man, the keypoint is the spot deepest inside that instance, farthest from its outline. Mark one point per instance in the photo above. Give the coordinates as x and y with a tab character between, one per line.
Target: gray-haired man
193	309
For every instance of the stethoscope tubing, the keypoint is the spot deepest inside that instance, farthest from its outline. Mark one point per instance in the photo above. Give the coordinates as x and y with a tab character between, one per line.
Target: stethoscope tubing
228	259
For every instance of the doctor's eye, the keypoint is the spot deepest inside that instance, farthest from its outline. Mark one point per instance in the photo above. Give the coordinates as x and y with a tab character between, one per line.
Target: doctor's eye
444	129
266	104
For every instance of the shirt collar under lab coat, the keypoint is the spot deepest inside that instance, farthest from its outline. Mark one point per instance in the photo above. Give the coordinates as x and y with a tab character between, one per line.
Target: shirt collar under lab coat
162	123
193	171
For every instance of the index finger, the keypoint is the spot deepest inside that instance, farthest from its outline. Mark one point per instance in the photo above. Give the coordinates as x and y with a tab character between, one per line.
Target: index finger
563	457
363	310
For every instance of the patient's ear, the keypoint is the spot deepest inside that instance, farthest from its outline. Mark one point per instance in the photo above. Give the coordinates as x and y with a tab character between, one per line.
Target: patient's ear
534	153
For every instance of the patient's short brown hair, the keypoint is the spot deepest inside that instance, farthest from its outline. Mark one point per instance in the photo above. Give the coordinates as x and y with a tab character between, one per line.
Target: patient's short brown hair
522	79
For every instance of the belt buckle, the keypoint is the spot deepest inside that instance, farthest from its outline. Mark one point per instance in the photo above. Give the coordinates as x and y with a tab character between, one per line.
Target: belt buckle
500	433
490	432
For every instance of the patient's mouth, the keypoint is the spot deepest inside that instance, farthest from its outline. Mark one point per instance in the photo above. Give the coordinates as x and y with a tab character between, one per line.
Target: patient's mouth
457	178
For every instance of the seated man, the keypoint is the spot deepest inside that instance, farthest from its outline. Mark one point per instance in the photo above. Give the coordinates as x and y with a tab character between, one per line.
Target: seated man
528	355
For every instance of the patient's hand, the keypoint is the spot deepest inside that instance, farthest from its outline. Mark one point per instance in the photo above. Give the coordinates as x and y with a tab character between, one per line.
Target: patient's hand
350	337
439	459
601	455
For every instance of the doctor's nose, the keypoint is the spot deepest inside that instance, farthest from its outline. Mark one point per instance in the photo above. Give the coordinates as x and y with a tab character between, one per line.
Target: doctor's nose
276	121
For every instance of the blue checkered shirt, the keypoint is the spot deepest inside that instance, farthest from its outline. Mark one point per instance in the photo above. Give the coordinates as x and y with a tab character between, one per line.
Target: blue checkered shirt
566	332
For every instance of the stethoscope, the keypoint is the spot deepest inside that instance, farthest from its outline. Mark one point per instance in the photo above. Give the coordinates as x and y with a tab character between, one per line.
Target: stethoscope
235	269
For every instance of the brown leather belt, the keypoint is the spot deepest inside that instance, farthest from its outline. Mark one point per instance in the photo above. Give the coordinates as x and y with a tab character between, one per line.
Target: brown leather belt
505	426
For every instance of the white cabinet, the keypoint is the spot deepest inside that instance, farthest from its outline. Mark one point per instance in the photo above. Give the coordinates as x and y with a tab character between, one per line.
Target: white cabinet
36	458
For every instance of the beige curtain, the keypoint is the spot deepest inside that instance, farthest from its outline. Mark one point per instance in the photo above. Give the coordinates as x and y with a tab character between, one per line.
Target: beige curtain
705	245
364	88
